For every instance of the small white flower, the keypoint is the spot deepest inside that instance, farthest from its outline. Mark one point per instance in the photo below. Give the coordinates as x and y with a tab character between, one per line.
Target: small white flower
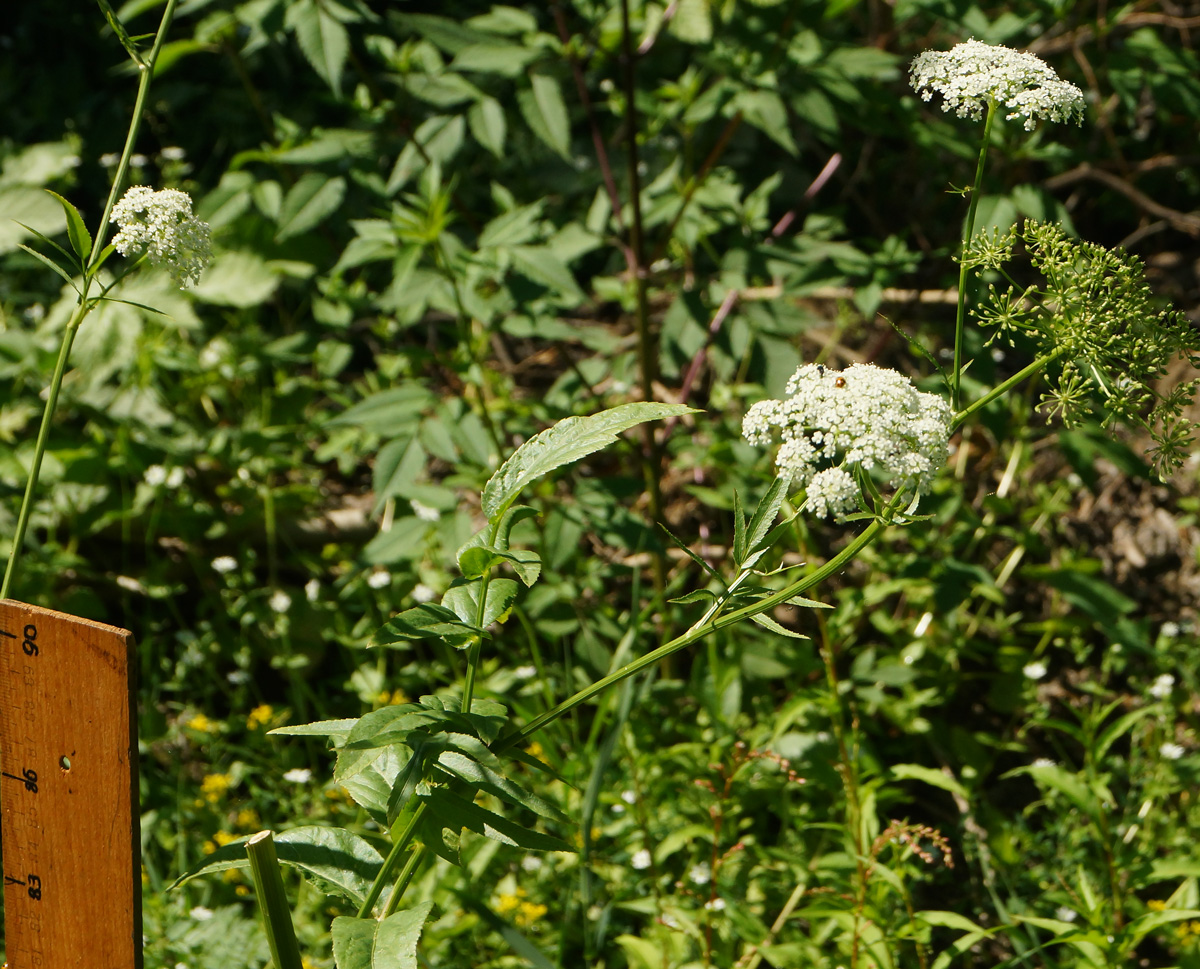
423	593
238	677
298	775
424	512
161	225
973	75
173	153
640	860
224	563
109	159
1044	762
35	313
201	914
629	797
312	589
700	874
531	863
214	352
131	584
525	672
379	580
1160	689
138	161
1171	751
156	475
1170	629
175	478
618	809
280	601
1035	670
1064	914
714	905
864	416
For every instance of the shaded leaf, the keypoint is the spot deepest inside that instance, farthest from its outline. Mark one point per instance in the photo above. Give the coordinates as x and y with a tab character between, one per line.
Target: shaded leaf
372	944
308	203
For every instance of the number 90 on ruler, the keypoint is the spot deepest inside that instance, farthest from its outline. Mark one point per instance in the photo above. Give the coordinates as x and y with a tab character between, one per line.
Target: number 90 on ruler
69	832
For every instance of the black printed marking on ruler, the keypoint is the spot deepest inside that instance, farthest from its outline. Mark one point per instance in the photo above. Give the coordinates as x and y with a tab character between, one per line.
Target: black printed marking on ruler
27	777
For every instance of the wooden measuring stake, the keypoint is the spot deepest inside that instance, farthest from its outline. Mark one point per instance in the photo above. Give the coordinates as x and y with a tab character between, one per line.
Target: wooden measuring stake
68	789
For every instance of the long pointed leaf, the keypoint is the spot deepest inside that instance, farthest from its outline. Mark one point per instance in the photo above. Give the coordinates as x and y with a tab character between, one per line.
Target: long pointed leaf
567	441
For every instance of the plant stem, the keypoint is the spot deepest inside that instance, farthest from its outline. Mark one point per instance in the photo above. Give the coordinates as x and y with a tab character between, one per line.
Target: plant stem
1001	389
145	75
955	386
272	901
707	624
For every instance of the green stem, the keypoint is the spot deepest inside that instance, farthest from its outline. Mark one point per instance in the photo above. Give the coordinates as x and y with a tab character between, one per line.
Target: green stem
399	846
406	875
272	901
1001	389
955	386
707	624
146	73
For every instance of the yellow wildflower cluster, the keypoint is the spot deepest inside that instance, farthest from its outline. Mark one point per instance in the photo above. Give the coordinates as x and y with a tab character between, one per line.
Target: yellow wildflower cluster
389	698
200	723
527	913
260	716
214	786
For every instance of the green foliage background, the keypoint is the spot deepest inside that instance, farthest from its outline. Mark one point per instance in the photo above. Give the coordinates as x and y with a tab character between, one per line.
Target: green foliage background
424	259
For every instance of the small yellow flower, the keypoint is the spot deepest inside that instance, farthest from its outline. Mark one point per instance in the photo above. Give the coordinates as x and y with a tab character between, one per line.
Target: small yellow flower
509	901
231	875
145	876
260	716
200	723
223	838
529	913
1156	905
248	818
536	750
215	785
242	890
210	847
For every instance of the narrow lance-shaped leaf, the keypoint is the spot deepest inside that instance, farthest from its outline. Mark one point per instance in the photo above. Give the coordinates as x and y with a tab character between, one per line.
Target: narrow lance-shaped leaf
81	239
567	441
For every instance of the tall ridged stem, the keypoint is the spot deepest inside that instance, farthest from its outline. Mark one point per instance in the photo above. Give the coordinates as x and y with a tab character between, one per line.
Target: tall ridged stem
145	75
969	231
272	901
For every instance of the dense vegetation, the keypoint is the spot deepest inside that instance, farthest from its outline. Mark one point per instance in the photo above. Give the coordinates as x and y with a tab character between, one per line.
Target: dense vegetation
440	229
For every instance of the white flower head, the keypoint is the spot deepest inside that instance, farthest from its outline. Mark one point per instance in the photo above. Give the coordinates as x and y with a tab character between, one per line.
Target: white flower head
1035	670
312	589
298	775
379	580
156	475
224	563
161	225
424	512
280	601
1161	688
1171	751
973	75
640	860
201	914
700	874
1044	762
864	416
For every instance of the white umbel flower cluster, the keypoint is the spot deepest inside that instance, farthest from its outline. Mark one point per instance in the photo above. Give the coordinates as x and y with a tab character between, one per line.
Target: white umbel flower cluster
161	225
863	416
973	75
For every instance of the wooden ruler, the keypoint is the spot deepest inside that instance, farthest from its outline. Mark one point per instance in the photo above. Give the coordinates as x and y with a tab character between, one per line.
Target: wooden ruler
69	831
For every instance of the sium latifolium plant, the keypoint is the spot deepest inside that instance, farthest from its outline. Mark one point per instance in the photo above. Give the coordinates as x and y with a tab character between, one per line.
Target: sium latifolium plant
155	227
863	444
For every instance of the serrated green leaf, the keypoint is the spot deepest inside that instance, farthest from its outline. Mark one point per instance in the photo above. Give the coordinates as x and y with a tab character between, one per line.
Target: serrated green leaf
473	562
762	524
334	857
81	239
543	266
484	778
567	441
323	40
768	623
308	203
463	598
488	124
373	944
455	812
386	412
337	730
767	112
426	621
545	112
698	595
